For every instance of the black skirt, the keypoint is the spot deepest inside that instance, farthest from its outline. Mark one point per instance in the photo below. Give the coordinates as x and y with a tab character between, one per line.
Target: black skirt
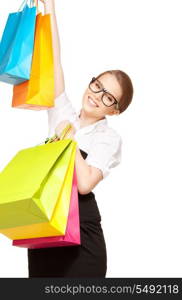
86	260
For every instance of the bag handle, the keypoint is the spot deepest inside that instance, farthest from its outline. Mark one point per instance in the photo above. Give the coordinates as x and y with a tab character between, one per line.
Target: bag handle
32	3
64	132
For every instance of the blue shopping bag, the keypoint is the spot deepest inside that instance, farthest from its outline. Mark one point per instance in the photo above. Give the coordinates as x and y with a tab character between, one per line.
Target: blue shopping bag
16	47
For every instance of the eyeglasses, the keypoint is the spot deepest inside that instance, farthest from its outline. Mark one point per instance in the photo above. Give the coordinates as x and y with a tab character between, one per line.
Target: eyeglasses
108	99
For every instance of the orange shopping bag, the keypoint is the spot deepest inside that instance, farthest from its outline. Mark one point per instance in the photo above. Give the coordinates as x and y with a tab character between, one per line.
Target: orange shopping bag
37	93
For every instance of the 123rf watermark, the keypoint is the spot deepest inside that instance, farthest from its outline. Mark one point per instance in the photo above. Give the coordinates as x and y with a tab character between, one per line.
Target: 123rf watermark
135	289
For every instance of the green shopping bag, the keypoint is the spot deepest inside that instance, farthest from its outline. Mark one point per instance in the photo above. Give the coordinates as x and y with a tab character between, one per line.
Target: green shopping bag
24	199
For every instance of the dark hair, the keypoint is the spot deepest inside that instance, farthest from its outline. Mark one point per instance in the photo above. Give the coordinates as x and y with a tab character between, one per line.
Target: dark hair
126	86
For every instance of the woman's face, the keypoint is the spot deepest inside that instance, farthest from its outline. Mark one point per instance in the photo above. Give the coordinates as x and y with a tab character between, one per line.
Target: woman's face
98	109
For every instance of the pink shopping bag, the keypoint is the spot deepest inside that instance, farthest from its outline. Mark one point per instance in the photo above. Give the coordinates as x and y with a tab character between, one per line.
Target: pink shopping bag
72	236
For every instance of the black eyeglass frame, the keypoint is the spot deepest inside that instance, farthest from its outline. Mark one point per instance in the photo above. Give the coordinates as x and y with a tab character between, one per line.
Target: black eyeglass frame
104	92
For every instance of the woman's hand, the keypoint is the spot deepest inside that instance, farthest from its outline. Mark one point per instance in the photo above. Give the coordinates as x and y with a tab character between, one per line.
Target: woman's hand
46	2
61	126
49	6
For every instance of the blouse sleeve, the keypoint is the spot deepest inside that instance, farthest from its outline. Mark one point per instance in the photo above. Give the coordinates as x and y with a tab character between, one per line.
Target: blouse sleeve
62	110
105	152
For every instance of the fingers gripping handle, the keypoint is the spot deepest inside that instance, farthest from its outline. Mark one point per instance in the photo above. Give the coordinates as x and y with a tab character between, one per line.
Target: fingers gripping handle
63	135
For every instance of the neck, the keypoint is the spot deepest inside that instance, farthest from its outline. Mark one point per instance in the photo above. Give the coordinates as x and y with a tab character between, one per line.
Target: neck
86	120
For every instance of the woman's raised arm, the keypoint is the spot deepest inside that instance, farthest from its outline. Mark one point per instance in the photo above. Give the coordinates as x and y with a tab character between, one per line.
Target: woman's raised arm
49	8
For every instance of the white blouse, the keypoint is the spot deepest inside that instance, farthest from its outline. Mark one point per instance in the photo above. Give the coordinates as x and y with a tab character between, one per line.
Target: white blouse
100	142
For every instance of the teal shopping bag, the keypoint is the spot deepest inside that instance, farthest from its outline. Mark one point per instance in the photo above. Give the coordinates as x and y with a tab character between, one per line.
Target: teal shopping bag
17	43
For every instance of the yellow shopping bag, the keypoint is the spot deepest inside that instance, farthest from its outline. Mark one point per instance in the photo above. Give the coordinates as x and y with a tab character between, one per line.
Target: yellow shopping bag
56	225
38	92
38	177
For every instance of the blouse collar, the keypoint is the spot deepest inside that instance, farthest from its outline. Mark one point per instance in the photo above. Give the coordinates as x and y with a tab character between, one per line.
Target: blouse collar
98	124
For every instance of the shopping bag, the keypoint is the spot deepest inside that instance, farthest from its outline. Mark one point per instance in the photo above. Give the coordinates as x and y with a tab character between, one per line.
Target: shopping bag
37	93
35	176
55	224
72	234
16	47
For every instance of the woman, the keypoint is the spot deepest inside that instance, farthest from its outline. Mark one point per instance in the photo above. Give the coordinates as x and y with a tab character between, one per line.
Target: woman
98	151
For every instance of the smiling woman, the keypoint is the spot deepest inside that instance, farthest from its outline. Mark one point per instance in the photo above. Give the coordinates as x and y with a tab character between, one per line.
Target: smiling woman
98	151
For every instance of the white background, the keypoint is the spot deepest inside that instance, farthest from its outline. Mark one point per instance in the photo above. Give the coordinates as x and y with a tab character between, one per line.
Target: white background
140	201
